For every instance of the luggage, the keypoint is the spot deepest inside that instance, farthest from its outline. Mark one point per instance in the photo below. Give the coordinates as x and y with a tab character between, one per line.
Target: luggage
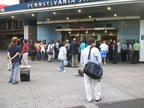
25	75
68	64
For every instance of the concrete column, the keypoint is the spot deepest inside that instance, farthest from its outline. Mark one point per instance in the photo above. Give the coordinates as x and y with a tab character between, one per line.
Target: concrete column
12	25
141	40
30	29
99	37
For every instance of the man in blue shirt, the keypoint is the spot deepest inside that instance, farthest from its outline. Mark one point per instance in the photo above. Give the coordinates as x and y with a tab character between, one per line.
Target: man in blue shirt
13	55
83	45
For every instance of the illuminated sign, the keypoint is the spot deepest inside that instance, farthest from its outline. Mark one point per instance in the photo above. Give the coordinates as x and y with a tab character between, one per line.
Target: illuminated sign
57	3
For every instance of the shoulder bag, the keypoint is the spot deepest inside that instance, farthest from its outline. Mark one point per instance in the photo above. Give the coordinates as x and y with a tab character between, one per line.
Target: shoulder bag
92	69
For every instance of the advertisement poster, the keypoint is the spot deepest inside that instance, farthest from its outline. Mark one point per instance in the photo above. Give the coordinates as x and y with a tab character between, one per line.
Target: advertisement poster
4	3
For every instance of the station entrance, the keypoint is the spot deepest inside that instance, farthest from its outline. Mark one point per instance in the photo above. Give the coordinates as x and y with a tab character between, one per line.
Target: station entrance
80	35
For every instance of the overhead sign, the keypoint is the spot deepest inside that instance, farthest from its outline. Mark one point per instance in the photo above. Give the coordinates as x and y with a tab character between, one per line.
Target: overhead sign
50	3
47	3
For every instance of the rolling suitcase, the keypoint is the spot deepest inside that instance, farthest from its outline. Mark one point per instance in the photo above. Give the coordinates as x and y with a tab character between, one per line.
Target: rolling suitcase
25	75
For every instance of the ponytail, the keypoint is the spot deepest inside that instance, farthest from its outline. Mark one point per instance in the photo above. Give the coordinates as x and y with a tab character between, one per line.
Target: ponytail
12	45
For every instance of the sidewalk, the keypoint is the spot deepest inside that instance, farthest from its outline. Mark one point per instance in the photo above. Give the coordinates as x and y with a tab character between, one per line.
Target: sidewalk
50	88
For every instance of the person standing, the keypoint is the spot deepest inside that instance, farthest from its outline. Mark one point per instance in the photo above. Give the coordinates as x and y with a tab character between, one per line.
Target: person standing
42	50
119	51
103	51
124	51
57	49
91	84
25	50
13	55
130	52
38	49
50	51
114	52
32	50
135	56
62	56
74	52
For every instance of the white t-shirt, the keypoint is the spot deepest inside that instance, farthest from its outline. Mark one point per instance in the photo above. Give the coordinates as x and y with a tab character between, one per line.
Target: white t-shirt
42	48
104	47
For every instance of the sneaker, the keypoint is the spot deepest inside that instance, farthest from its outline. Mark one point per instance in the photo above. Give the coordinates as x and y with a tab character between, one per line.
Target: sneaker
59	69
76	74
63	71
15	82
98	100
9	81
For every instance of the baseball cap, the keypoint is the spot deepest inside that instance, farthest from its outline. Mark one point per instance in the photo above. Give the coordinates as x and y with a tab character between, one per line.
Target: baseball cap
15	39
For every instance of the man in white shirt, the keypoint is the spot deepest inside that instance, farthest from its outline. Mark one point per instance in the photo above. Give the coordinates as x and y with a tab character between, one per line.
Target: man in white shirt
91	84
103	51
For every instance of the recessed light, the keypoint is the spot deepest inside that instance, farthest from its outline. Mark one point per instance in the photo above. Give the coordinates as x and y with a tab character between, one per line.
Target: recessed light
32	14
109	8
115	15
89	16
67	18
79	10
54	12
47	19
12	16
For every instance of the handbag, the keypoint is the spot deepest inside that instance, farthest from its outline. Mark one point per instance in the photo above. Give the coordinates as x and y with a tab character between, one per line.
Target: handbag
65	62
92	69
50	52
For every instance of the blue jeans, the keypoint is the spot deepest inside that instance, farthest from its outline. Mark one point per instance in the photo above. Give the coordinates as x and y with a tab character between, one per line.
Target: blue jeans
119	57
14	72
61	66
38	55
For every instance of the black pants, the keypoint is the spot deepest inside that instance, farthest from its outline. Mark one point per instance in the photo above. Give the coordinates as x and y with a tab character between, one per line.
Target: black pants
124	55
135	57
114	56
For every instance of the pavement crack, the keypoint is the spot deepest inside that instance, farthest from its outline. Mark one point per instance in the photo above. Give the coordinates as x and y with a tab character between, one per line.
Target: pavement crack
32	96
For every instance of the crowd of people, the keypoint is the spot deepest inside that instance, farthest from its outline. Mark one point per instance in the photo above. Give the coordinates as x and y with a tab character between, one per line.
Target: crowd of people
111	51
19	50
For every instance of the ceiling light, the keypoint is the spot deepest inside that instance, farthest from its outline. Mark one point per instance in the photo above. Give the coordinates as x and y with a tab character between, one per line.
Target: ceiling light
115	15
105	31
86	31
89	16
67	18
47	19
69	32
32	14
12	16
79	10
109	8
54	12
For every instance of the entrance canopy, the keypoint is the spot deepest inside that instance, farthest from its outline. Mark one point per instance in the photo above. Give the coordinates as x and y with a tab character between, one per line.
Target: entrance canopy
60	12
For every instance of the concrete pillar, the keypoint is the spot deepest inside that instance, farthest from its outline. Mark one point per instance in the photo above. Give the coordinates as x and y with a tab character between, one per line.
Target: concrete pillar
141	40
99	37
30	29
